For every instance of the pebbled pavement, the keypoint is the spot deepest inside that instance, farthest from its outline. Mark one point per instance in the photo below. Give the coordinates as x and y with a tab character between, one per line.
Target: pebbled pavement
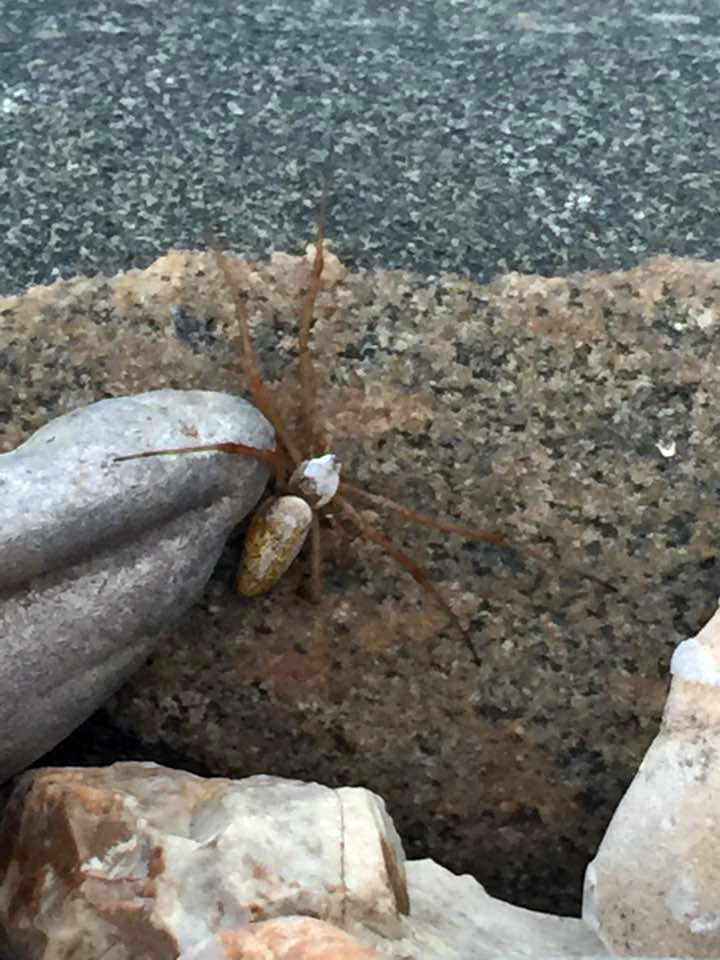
458	136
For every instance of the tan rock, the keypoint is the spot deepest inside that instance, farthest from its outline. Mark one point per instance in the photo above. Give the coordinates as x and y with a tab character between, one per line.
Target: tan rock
140	862
291	938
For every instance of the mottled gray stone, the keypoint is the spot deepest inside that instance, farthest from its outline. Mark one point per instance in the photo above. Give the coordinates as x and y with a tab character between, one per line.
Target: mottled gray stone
100	557
546	408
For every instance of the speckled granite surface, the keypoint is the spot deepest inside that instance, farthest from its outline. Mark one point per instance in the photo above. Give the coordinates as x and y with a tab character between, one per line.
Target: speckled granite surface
576	412
470	136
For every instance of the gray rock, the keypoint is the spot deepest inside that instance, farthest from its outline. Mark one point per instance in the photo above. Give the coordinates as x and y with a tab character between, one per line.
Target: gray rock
100	557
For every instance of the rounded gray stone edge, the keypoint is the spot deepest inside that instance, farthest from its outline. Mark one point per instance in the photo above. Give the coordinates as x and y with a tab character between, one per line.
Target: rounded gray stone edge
114	554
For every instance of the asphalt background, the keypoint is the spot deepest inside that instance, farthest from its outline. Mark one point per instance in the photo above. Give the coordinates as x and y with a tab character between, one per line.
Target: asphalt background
460	135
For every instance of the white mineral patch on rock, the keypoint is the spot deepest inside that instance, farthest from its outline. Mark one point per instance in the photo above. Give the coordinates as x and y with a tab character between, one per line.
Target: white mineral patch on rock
693	662
698	659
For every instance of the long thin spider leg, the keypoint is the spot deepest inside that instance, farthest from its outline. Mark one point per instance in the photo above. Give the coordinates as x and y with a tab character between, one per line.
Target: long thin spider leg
305	364
251	366
272	457
315	560
407	563
346	532
469	533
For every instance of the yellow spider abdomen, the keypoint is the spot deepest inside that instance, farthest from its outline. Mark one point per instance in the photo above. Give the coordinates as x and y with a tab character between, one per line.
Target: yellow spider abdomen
274	538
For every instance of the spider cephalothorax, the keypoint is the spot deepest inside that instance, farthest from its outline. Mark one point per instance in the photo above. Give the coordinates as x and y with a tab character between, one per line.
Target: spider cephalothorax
307	477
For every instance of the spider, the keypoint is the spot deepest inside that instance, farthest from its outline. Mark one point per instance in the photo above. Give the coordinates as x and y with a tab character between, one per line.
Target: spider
308	491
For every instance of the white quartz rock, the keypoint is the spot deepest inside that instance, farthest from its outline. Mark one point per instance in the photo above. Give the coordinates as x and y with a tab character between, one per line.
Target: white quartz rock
454	918
654	886
99	558
698	659
139	861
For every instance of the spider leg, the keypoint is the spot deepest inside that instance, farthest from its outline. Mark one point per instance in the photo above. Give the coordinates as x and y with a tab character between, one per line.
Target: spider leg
251	366
467	532
272	457
343	531
305	364
315	560
404	560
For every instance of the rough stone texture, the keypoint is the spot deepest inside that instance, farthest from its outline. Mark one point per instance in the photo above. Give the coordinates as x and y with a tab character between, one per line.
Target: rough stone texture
655	882
457	919
99	559
533	405
140	862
